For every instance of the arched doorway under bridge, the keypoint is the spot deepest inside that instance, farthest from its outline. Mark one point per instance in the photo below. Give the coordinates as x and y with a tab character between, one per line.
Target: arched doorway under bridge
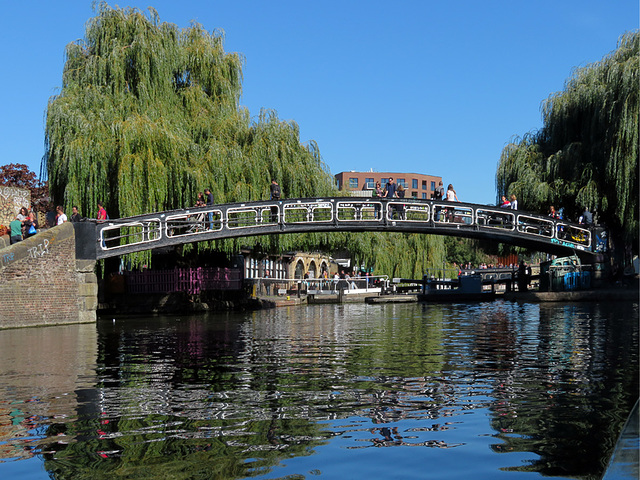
312	269
299	271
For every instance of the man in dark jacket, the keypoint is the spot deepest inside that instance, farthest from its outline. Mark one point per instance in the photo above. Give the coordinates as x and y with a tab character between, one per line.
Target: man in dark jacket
274	191
209	198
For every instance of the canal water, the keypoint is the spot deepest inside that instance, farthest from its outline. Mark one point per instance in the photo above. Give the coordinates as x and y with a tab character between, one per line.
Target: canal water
405	391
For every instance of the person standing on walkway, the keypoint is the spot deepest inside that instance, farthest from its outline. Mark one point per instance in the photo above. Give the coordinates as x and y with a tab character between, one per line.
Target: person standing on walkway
75	215
267	285
33	223
15	226
61	217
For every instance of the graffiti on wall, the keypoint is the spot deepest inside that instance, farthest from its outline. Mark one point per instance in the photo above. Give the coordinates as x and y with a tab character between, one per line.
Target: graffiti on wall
36	252
39	250
12	199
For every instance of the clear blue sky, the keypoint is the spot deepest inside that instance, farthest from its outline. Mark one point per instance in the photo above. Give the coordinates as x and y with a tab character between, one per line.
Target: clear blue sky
407	86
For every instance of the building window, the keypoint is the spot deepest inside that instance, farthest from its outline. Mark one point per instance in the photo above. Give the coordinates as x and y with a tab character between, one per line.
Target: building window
383	182
414	183
403	182
353	183
433	186
424	196
369	183
424	184
414	194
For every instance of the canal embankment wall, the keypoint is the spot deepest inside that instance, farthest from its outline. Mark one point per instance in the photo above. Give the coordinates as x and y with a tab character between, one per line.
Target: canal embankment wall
42	283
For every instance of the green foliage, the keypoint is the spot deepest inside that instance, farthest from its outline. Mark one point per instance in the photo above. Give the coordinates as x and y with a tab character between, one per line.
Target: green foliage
398	254
586	154
462	250
18	175
149	115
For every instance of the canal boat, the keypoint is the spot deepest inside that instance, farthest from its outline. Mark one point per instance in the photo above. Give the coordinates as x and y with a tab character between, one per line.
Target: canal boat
464	288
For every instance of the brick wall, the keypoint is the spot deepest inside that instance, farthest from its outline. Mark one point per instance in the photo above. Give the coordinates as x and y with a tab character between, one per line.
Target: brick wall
42	283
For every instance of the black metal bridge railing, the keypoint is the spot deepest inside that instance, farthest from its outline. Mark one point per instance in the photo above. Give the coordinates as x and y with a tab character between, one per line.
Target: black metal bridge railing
161	229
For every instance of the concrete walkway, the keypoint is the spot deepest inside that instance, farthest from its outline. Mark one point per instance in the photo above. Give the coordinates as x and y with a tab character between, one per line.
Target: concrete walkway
624	461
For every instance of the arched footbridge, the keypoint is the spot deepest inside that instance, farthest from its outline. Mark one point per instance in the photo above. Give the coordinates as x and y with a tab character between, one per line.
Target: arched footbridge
349	214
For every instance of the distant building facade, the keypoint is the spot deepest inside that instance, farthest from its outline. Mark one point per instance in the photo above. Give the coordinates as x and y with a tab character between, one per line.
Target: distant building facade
288	266
363	184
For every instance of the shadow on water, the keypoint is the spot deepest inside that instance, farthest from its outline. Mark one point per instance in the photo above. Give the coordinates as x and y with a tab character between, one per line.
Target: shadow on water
337	391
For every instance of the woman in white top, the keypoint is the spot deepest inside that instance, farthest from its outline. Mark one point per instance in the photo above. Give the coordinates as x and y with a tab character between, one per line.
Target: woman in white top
451	194
514	202
451	197
61	217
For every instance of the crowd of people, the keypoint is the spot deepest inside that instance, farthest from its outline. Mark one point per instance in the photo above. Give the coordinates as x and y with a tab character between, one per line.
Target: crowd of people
26	223
512	203
586	218
393	190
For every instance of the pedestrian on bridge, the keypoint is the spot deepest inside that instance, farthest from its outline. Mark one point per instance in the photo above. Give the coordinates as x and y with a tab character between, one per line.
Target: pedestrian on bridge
209	199
586	218
401	209
451	197
438	195
15	227
102	213
391	189
61	217
75	214
274	191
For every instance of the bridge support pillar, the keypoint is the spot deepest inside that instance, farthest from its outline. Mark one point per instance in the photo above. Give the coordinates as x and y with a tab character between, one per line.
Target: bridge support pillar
87	290
43	283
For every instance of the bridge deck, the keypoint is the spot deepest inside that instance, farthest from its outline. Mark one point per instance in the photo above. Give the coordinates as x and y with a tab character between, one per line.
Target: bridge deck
355	214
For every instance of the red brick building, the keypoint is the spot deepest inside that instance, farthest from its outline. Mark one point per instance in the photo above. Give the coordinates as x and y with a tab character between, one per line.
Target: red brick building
363	184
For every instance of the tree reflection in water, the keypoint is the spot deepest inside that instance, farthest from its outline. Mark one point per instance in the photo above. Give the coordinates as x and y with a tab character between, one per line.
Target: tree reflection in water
318	390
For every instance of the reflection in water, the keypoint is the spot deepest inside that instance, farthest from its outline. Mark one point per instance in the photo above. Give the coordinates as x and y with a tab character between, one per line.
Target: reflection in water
43	369
458	390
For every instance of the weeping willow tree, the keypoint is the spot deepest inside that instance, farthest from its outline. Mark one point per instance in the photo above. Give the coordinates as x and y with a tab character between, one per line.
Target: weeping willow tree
148	115
586	153
398	254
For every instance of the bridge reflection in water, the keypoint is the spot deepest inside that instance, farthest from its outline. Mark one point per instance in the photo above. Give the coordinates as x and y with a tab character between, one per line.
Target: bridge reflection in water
516	227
